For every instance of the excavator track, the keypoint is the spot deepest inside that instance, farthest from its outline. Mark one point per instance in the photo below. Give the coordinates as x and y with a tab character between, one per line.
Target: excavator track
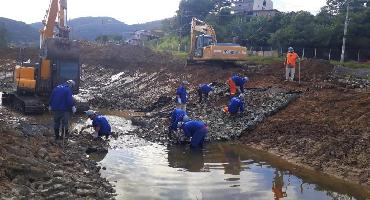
30	105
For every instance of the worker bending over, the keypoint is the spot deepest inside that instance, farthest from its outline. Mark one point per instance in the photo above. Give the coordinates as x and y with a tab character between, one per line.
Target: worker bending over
181	95
203	91
61	104
99	123
196	130
240	82
236	104
290	63
178	115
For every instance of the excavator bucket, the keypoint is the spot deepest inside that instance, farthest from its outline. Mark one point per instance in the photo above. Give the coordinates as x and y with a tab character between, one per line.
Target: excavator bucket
60	48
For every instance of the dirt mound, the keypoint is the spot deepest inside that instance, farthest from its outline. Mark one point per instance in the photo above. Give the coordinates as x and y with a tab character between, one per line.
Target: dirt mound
326	129
15	54
127	57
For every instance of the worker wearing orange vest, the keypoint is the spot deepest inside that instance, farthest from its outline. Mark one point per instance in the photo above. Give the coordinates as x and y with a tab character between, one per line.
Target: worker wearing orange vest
232	86
290	63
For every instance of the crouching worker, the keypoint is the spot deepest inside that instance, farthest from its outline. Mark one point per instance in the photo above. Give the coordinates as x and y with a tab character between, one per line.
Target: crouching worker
240	82
99	123
197	131
178	115
203	91
236	104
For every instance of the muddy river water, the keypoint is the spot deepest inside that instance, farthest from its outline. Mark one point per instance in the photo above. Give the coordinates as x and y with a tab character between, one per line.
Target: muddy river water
145	170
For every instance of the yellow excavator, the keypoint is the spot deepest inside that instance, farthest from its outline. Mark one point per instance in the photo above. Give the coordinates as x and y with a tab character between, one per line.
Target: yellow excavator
58	62
204	47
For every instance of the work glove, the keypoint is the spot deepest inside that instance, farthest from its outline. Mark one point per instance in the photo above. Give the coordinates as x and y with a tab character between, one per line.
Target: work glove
49	108
95	135
74	109
179	100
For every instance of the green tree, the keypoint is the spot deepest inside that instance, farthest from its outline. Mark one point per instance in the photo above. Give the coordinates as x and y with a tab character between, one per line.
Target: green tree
102	38
335	7
297	29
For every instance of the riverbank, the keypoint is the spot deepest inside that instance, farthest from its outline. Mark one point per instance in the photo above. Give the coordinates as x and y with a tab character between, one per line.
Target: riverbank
321	123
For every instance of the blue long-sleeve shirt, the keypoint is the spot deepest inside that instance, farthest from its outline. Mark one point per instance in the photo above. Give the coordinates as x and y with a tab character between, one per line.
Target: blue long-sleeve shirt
177	116
102	122
239	81
61	98
235	105
181	91
205	88
191	127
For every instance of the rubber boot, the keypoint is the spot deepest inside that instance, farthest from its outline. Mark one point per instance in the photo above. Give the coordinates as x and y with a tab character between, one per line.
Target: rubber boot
56	133
66	134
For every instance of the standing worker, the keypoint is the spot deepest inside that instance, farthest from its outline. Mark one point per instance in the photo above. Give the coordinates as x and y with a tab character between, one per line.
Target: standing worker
99	123
178	115
203	91
181	95
197	131
240	82
236	104
290	63
61	104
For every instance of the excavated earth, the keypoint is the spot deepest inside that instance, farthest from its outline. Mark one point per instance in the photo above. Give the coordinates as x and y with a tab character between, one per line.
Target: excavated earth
321	123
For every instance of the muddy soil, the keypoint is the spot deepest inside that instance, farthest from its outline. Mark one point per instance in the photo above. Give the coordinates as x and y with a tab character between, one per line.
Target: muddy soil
321	123
33	166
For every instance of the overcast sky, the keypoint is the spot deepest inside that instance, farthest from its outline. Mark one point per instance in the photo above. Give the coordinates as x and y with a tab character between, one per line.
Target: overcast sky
128	11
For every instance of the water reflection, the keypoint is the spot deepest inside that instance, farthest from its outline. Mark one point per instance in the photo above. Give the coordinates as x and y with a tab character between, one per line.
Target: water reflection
220	171
190	159
278	184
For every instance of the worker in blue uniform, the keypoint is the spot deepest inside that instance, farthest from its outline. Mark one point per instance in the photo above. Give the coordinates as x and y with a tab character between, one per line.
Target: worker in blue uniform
99	123
196	130
236	105
61	103
240	81
203	92
178	115
181	95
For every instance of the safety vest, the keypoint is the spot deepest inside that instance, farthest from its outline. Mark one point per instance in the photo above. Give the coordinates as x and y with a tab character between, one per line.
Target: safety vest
232	86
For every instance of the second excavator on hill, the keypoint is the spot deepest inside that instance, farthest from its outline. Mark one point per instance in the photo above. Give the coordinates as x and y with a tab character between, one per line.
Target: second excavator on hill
204	47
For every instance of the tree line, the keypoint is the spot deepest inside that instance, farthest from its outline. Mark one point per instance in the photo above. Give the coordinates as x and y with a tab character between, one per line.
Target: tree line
299	29
3	41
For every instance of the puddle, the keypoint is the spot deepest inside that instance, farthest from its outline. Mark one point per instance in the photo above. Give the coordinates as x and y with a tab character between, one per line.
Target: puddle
220	171
143	170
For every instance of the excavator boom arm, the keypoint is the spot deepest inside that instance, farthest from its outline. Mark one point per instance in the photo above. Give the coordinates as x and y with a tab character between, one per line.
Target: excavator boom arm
202	27
57	9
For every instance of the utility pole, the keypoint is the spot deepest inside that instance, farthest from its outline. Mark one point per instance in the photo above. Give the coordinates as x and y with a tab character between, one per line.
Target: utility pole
345	35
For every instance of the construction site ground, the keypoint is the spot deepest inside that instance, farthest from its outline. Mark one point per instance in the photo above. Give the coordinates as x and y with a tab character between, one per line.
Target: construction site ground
322	123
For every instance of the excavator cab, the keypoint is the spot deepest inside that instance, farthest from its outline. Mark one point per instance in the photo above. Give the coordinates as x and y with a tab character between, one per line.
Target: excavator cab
201	42
59	61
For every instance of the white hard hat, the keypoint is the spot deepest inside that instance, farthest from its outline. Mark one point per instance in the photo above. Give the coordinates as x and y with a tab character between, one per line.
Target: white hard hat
185	82
71	83
246	78
90	112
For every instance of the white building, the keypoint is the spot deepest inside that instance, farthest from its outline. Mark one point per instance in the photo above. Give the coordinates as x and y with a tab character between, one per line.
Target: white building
254	7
